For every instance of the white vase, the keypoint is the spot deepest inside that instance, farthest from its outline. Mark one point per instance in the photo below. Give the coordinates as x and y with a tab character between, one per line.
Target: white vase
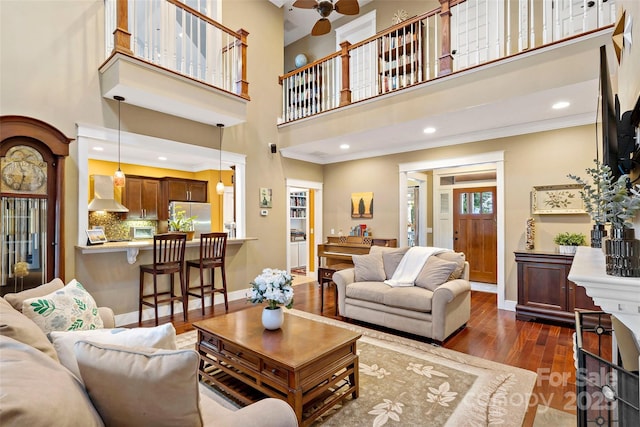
566	249
272	318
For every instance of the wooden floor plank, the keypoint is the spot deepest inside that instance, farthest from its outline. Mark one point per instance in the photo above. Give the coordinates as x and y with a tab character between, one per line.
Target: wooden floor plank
492	334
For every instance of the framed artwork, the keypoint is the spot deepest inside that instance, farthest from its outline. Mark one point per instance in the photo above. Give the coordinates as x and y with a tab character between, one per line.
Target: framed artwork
362	205
557	199
265	198
96	236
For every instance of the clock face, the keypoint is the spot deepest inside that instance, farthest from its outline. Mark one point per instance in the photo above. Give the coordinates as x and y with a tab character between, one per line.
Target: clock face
23	170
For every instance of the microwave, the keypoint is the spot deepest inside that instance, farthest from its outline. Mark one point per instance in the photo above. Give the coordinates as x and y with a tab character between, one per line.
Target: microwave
142	232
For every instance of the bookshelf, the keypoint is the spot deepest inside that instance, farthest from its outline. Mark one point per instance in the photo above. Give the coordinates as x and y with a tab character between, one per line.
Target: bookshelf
303	96
298	204
400	58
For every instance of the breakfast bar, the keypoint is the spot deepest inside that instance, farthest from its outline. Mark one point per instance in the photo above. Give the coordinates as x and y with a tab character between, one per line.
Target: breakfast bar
111	273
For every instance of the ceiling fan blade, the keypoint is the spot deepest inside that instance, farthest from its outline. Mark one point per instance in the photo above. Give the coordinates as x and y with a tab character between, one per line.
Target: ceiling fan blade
348	7
323	26
305	4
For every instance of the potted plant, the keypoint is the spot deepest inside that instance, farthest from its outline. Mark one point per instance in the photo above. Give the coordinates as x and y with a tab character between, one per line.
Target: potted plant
616	202
569	242
594	203
180	222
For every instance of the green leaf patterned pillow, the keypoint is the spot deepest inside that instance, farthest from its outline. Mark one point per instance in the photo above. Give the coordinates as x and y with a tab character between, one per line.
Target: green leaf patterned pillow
69	309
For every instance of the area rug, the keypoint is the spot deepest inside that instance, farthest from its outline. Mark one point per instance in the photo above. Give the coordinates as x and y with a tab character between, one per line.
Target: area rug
546	416
409	383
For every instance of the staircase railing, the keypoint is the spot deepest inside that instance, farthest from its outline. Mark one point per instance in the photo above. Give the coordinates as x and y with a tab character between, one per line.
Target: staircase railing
457	35
178	38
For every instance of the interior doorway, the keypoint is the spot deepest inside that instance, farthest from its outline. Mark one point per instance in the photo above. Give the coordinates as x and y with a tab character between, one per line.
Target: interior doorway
304	226
480	170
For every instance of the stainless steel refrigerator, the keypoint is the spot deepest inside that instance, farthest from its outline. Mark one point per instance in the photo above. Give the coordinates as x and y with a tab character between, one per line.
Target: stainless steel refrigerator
201	212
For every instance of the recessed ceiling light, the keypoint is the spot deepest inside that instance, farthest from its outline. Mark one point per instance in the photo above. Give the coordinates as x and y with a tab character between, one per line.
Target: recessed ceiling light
560	105
98	149
162	158
344	146
429	130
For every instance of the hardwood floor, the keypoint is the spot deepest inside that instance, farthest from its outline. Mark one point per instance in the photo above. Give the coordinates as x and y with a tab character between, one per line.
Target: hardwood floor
492	334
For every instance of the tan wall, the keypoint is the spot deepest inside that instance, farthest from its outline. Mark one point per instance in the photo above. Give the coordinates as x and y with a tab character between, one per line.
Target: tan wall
529	160
52	74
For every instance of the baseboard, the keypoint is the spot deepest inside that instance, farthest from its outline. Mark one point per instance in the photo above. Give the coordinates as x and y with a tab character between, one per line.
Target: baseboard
484	287
164	310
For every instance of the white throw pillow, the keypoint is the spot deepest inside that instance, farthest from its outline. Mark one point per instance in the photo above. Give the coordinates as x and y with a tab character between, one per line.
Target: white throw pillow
141	387
163	336
68	309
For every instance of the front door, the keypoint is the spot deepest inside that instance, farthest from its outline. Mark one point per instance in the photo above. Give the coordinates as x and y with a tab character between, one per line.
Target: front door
475	231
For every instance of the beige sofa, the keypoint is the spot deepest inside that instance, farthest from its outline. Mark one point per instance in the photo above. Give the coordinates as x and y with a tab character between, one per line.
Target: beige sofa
115	388
436	306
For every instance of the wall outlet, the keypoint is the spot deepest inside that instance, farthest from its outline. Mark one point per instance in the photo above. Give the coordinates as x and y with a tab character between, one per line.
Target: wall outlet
264	212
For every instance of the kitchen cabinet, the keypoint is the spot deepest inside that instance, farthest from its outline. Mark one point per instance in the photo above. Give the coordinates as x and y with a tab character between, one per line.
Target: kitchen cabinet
141	195
185	190
544	291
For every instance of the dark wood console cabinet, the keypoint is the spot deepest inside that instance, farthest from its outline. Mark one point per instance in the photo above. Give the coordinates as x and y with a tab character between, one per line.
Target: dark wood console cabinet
544	292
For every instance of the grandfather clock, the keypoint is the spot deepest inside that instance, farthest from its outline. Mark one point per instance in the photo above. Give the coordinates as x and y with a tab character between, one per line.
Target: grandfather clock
32	155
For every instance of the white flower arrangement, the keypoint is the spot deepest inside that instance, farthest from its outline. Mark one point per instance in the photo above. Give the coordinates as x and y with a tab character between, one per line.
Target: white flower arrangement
273	286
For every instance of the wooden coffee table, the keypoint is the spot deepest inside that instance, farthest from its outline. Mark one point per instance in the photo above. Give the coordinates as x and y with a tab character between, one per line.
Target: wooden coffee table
309	364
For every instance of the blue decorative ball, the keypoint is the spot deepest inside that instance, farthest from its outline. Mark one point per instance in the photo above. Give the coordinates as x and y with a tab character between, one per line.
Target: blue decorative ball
301	60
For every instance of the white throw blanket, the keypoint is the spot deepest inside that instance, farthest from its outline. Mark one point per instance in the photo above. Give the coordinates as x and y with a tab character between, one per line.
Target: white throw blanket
411	264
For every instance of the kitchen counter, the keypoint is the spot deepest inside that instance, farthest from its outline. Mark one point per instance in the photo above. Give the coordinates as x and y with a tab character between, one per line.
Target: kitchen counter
133	248
110	272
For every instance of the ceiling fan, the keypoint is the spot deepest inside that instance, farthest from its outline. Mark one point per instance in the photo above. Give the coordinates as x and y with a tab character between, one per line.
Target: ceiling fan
324	8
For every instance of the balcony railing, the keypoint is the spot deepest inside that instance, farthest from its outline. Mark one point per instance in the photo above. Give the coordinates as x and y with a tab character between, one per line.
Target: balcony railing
458	35
176	37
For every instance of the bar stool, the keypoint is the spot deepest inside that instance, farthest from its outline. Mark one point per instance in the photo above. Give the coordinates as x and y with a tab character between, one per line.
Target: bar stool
213	247
168	258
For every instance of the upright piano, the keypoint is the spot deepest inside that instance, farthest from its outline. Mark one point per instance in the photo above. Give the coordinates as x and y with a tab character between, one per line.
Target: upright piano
339	249
335	254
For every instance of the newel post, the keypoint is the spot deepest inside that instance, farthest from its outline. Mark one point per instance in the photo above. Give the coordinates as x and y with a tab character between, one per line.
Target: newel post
242	84
345	92
122	36
445	64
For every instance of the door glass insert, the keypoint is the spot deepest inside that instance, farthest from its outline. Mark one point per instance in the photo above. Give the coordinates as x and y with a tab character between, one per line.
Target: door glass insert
464	204
487	202
476	200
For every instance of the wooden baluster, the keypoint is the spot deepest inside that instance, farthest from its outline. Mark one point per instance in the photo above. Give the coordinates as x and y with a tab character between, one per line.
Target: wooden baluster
446	59
345	93
122	36
242	84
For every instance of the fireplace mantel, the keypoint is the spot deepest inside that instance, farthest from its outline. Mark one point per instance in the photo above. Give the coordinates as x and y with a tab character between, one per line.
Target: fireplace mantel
615	295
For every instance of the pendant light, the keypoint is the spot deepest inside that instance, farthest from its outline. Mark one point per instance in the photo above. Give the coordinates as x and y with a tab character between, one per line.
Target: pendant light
118	177
220	184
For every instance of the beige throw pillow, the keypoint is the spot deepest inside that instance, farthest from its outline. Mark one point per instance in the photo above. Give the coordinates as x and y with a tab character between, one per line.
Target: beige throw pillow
16	300
163	336
37	391
368	268
14	324
71	308
458	258
391	259
141	387
435	272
